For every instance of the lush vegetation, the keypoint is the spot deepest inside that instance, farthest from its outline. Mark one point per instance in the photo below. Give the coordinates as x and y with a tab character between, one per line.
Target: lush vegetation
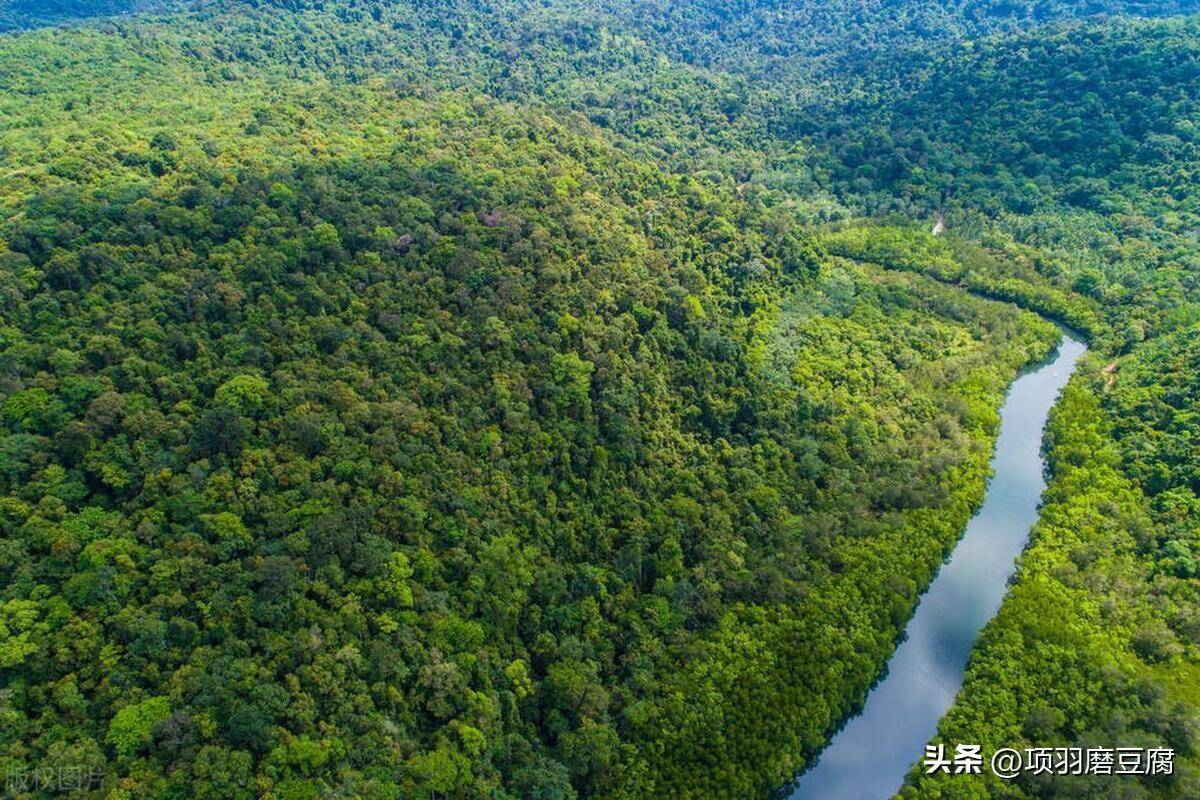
512	400
453	431
1099	617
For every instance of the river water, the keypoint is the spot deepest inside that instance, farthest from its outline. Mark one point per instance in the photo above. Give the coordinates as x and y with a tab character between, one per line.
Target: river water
871	755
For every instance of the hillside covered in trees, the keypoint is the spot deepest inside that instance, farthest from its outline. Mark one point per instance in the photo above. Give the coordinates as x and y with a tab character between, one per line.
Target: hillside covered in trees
565	399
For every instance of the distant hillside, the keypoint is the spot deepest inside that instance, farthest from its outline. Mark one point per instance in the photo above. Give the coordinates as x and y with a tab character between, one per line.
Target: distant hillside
17	14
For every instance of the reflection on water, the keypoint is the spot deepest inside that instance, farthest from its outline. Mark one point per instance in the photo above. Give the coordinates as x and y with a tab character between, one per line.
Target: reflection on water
869	758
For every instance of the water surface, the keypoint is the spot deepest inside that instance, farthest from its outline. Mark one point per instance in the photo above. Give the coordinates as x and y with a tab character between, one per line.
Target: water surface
869	758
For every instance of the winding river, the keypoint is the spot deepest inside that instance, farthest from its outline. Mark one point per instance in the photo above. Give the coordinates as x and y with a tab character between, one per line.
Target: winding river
869	758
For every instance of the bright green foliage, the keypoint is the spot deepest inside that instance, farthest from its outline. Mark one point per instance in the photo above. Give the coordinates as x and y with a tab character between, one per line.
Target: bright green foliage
1070	660
246	394
16	624
917	251
131	726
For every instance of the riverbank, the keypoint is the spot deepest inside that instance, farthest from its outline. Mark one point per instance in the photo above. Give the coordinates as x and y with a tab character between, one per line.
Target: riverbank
870	756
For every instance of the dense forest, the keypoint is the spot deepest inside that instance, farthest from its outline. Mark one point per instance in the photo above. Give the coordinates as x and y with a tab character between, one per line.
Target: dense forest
560	400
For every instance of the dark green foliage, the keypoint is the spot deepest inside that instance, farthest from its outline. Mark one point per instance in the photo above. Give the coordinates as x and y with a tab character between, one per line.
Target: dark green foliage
16	14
